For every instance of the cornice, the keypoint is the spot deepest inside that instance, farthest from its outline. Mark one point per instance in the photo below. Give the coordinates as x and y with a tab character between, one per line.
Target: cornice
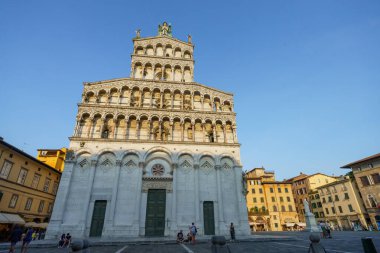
185	143
160	84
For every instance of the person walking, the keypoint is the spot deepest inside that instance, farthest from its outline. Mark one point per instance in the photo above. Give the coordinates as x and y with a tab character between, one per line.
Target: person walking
232	231
193	231
14	238
27	239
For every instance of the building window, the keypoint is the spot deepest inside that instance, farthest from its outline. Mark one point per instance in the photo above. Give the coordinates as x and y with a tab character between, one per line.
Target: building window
350	208
22	176
327	210
41	206
254	200
317	196
50	207
275	217
288	199
372	201
271	190
274	208
253	191
262	200
286	190
313	205
55	187
260	190
316	215
279	190
276	225
336	198
319	204
290	208
28	204
6	169
370	166
364	180
273	199
330	199
321	214
35	181
46	185
281	199
376	178
346	196
340	209
13	201
283	209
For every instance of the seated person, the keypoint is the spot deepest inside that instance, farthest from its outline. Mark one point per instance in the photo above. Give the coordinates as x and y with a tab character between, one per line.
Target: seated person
67	241
189	237
180	237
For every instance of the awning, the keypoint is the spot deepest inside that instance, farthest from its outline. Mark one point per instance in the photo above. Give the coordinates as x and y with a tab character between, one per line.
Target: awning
42	225
7	218
30	224
289	224
301	224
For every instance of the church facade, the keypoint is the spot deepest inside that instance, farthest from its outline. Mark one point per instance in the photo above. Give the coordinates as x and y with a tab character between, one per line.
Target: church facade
152	153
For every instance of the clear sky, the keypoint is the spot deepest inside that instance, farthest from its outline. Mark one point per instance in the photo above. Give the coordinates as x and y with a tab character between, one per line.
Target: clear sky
305	74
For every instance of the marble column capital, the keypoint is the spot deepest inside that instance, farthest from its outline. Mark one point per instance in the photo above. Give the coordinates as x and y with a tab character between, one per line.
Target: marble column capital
94	163
118	162
218	167
196	166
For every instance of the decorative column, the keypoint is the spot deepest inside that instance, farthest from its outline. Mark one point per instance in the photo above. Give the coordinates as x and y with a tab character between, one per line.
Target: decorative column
172	125
202	105
173	219
203	132
172	98
130	98
220	200
214	133
160	130
87	198
193	130
115	188
196	188
76	129
224	133
182	100
136	221
234	133
173	79
161	99
182	131
54	231
114	121
137	129
192	100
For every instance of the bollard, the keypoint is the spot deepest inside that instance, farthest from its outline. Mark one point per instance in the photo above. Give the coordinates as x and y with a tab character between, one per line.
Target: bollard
368	245
315	246
79	244
217	243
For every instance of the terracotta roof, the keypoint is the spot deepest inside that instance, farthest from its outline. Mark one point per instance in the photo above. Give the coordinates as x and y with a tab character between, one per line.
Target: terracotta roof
348	166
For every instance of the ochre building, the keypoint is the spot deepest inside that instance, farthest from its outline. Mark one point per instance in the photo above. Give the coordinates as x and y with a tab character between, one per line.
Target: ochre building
53	157
152	153
367	175
270	203
302	185
342	205
27	186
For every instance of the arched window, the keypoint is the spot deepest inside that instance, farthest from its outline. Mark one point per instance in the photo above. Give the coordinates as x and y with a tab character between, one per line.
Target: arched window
105	134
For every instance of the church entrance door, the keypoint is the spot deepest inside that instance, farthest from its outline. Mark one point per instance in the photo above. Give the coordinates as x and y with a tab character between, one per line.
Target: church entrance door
98	218
208	216
155	213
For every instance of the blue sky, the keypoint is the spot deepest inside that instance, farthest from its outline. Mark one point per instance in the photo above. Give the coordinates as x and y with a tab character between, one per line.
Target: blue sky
305	74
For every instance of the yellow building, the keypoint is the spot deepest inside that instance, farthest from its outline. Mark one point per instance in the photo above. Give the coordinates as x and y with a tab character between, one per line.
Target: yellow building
27	186
270	203
367	175
302	185
342	204
316	205
53	157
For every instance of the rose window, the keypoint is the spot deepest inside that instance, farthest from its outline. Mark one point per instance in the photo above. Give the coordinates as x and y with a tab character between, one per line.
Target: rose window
158	170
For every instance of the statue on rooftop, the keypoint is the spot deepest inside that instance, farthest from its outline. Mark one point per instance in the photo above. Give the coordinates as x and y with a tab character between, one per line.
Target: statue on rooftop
165	29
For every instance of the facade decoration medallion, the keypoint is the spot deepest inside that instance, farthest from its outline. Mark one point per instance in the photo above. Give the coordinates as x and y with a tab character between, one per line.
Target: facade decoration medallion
158	170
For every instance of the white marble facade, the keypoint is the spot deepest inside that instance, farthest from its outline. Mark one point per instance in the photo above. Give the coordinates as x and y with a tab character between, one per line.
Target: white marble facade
164	136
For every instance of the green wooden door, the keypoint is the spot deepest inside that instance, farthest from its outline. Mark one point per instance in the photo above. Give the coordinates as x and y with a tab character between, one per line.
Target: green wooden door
155	213
208	216
98	218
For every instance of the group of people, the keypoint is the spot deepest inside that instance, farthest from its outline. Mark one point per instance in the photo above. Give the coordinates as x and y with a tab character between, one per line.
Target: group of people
64	241
190	237
19	235
325	230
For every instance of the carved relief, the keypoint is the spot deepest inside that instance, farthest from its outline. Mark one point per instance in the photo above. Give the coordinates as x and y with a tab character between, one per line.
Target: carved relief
157	184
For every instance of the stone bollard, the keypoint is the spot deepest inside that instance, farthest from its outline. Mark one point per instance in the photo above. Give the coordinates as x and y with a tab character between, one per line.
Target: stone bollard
368	245
79	244
217	244
315	246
